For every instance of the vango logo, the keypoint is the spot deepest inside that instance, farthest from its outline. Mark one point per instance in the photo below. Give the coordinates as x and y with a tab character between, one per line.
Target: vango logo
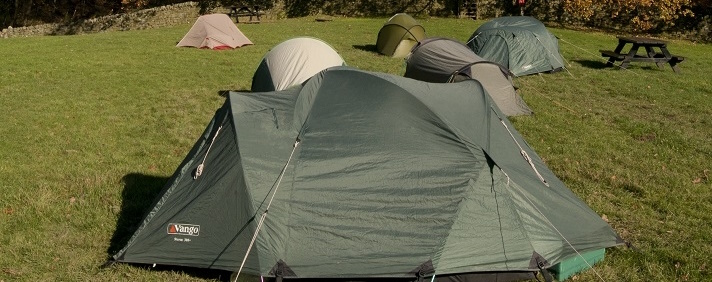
183	229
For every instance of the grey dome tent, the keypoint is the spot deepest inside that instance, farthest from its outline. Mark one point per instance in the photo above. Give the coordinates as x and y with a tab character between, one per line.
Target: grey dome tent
522	44
214	31
443	60
365	175
398	35
293	62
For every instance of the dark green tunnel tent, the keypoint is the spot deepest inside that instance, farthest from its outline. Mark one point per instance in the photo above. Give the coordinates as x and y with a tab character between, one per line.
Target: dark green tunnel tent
366	175
398	35
444	60
522	44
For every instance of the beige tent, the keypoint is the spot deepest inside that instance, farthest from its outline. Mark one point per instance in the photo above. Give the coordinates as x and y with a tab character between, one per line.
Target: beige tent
215	31
443	60
293	62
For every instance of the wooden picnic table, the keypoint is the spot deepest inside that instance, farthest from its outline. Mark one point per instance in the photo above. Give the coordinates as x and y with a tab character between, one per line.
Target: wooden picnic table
245	11
655	52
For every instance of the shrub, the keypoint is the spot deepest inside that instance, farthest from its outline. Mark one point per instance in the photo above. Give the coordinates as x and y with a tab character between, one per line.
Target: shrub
636	15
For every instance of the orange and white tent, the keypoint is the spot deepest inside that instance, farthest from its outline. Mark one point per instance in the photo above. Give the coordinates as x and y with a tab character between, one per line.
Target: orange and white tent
214	31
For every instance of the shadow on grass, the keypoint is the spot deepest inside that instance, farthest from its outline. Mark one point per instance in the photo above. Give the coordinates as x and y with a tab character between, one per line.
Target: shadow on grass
593	64
139	193
602	65
367	47
201	273
138	197
223	93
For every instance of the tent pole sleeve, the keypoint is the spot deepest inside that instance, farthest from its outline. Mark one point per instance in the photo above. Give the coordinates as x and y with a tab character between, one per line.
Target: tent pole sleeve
264	214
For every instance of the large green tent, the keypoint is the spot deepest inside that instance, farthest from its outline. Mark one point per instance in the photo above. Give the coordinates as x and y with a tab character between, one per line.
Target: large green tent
522	44
365	175
398	35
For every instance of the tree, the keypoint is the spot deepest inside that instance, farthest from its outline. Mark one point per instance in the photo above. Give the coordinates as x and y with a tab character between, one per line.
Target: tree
22	11
7	13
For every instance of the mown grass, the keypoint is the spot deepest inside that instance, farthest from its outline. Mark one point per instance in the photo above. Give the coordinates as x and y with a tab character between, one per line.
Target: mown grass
93	125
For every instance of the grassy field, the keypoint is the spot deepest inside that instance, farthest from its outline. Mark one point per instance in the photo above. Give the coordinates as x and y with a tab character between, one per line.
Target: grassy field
92	126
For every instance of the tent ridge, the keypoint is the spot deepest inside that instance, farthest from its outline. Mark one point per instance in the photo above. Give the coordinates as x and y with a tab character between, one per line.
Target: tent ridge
443	120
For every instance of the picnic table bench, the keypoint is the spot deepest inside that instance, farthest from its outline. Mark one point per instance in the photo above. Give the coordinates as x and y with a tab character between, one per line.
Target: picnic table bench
246	11
651	55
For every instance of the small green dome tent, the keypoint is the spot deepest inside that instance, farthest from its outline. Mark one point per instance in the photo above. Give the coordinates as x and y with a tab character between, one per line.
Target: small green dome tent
443	60
522	44
399	35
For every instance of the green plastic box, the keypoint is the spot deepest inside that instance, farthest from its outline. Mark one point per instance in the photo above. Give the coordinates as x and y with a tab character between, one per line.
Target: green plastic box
569	267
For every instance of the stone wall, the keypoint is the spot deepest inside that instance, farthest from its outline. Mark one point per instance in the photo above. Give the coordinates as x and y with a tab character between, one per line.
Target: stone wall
165	16
186	13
